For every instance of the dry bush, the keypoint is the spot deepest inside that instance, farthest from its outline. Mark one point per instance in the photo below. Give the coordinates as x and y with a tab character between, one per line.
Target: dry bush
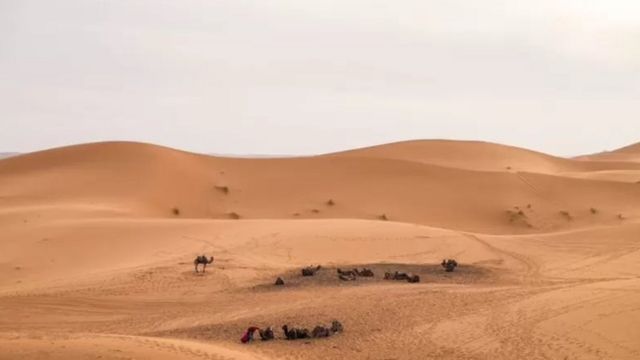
519	217
566	215
383	217
222	189
593	211
175	211
234	215
516	215
330	202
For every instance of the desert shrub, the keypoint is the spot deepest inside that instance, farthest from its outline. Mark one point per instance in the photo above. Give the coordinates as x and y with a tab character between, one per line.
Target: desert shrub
566	215
516	215
175	211
222	189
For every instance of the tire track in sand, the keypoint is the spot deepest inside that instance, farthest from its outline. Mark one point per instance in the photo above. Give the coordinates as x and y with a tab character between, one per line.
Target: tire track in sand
184	348
531	267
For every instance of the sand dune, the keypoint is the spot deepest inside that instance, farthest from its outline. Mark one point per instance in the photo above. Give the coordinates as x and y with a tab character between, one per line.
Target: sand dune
483	156
139	180
629	153
97	244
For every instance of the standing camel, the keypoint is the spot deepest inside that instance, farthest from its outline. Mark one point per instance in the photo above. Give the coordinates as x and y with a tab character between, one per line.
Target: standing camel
202	260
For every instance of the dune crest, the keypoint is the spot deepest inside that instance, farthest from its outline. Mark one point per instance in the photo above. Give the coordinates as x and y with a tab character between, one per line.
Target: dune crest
630	153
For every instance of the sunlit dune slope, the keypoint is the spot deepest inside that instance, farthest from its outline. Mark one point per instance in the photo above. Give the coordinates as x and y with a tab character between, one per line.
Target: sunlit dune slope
629	153
482	156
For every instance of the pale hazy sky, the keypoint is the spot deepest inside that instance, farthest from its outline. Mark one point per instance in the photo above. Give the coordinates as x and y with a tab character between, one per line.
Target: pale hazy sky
304	77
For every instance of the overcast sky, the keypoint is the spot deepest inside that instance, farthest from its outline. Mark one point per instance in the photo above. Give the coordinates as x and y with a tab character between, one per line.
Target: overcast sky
305	77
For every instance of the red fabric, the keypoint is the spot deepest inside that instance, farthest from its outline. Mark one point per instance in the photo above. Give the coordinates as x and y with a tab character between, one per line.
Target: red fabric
248	335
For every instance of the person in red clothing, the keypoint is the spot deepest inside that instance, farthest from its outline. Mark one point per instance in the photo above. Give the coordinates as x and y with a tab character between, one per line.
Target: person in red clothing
248	335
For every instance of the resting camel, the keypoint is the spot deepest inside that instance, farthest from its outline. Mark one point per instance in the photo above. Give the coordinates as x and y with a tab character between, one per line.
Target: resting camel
336	326
295	333
350	277
326	331
396	276
402	276
202	260
364	273
310	271
266	334
449	264
348	273
320	331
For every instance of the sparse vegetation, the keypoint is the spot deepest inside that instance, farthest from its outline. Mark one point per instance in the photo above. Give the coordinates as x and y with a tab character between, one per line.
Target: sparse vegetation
175	211
508	167
330	202
222	189
383	217
593	211
234	215
315	211
566	215
528	206
518	217
296	214
515	215
621	217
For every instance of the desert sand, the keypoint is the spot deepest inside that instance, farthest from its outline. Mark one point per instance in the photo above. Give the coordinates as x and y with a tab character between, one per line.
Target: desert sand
97	244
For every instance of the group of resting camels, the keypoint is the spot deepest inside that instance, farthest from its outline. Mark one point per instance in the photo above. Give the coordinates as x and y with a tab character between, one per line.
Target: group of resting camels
294	333
350	275
319	331
448	264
